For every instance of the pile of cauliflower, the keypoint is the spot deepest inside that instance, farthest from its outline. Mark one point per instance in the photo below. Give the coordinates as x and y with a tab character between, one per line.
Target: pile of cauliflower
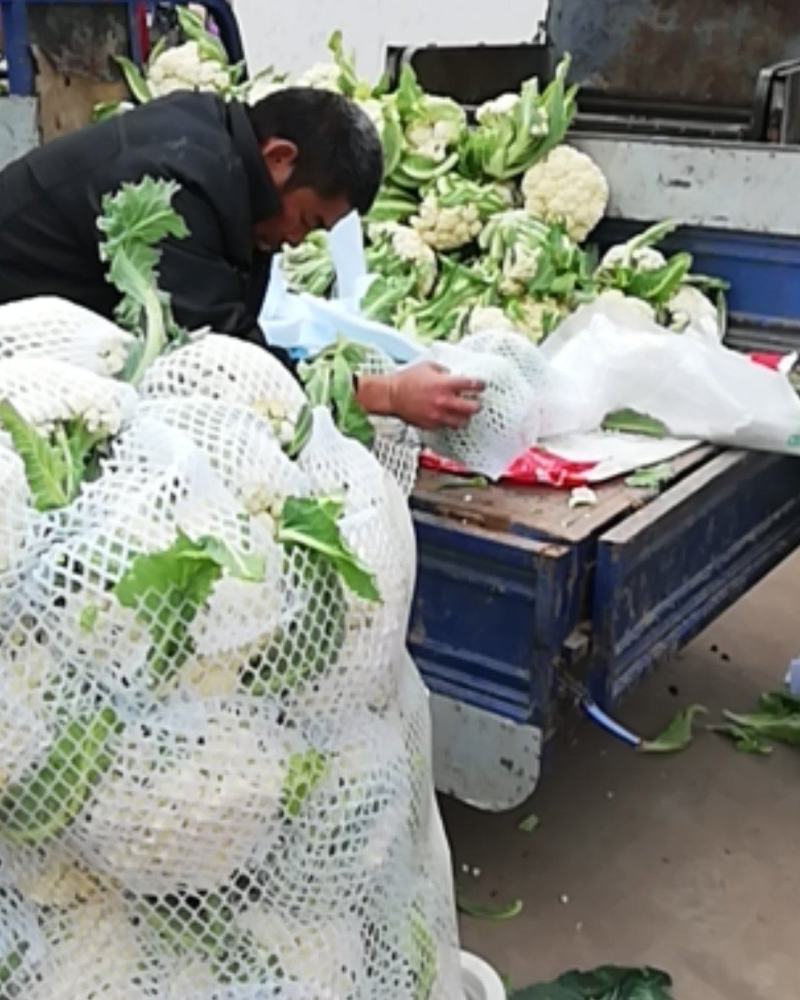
214	753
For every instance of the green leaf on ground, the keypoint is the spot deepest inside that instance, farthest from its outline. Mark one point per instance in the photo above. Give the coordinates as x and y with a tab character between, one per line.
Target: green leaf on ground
678	734
480	911
606	983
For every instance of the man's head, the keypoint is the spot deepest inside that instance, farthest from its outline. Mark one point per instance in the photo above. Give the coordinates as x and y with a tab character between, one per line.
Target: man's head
324	156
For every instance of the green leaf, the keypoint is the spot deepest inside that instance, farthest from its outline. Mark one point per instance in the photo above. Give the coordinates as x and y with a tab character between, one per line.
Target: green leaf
88	618
134	220
606	983
652	477
311	523
193	27
46	466
746	740
503	911
424	956
40	806
167	589
304	773
630	422
328	381
529	824
678	734
137	85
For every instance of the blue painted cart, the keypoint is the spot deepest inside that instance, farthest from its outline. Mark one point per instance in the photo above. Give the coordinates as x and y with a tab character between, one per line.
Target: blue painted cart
518	597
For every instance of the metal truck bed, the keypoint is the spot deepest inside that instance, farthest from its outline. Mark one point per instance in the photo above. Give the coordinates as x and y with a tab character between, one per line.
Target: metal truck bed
514	588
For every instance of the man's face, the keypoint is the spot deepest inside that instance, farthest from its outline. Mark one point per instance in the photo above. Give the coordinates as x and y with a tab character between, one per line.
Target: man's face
302	208
302	211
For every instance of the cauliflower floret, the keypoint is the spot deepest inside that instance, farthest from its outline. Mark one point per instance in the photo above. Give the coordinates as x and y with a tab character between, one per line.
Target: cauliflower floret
446	228
639	258
408	245
535	318
183	68
48	392
433	136
499	107
483	318
689	308
321	76
568	187
642	309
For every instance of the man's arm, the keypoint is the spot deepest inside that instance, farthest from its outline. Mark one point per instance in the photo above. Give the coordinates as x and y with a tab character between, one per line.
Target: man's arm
424	395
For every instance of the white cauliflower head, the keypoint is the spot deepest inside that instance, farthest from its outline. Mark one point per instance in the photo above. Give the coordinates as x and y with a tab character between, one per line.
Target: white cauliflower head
183	68
638	307
567	187
446	228
483	318
498	107
638	258
689	308
321	76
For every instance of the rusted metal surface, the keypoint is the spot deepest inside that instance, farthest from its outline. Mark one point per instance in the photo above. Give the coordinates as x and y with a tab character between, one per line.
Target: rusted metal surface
539	511
80	38
704	51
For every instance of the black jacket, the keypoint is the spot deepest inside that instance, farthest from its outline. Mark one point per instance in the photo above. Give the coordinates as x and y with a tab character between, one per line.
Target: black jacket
50	200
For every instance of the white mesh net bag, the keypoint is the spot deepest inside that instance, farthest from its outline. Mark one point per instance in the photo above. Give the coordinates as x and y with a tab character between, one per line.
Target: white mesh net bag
54	329
226	369
509	420
555	392
215	762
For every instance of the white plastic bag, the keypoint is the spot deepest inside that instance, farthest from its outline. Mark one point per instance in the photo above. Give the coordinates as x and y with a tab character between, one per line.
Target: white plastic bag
692	384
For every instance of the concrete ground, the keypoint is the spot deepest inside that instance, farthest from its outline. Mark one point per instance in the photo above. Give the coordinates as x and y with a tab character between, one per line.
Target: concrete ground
689	863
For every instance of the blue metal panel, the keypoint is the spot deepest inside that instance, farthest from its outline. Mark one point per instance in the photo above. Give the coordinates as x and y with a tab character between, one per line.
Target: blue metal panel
763	271
669	570
15	33
490	616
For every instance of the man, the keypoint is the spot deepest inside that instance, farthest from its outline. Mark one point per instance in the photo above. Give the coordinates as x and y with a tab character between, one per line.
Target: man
251	179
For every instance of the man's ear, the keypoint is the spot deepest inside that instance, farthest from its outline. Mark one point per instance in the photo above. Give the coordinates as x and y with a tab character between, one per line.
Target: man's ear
280	157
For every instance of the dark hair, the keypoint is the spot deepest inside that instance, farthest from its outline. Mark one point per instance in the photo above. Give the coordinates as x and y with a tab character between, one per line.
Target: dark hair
339	149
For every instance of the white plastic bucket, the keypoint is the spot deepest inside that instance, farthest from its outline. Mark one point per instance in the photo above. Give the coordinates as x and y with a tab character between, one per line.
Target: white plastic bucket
480	980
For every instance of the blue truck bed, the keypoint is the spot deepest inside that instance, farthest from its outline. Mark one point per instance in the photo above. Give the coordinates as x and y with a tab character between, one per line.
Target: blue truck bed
514	588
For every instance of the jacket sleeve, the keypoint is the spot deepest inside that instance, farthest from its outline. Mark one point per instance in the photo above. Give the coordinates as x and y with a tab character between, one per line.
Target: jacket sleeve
206	289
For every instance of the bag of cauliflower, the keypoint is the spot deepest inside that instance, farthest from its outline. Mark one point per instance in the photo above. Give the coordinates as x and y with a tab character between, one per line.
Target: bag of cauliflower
215	762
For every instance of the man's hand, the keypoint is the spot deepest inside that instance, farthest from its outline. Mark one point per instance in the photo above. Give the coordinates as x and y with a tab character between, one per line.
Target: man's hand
424	395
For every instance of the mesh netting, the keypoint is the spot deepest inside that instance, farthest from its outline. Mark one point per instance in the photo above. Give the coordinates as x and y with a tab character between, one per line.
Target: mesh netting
509	420
58	330
555	393
215	769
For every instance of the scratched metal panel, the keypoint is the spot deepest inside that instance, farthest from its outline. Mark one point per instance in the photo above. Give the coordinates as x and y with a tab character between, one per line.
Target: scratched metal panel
668	571
735	186
490	616
675	50
18	129
80	38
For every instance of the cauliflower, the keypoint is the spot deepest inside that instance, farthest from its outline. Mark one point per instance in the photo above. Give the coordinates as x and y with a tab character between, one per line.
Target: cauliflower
454	210
52	328
535	318
47	393
645	258
447	228
690	309
499	107
399	250
434	136
643	310
322	76
483	318
187	799
183	68
568	187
